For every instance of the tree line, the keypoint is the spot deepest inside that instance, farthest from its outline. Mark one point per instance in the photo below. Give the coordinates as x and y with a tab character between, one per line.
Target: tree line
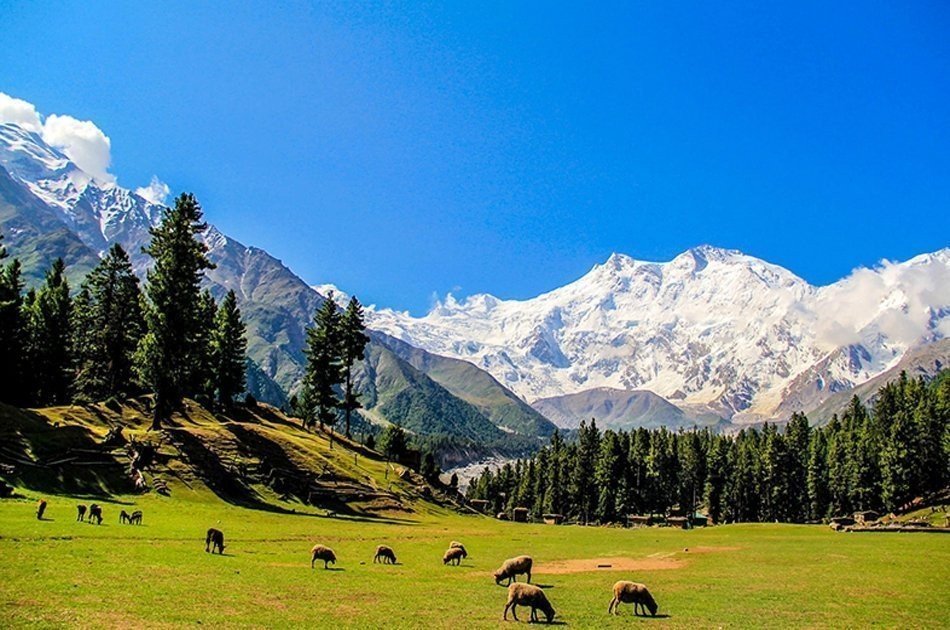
115	338
866	459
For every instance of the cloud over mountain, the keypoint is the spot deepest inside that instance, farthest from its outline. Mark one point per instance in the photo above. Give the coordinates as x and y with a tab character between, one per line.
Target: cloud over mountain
79	140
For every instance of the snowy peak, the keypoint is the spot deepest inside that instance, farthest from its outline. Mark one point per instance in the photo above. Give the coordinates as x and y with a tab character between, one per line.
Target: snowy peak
99	212
711	327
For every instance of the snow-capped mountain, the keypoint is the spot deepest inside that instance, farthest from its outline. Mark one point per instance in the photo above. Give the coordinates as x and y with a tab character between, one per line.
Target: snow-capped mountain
98	212
711	330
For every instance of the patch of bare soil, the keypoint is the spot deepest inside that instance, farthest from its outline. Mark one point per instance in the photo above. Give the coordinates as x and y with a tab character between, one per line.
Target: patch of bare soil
590	565
711	549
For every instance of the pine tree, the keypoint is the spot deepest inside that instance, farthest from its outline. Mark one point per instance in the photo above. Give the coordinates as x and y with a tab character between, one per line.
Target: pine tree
798	435
353	343
817	477
12	331
608	469
50	340
229	351
324	367
200	383
393	441
582	475
554	497
716	479
108	325
165	354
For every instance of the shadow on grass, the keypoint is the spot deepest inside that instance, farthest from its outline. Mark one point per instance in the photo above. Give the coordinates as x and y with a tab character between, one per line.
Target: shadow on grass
58	459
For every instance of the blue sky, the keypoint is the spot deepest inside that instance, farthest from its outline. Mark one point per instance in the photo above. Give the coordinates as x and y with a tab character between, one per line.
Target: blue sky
414	149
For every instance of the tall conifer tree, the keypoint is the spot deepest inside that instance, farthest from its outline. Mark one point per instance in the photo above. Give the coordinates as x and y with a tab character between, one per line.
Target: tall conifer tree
11	331
49	339
229	351
108	325
324	366
174	297
353	342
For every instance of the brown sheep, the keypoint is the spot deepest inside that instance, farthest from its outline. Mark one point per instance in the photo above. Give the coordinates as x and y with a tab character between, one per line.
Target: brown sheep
124	517
95	512
512	567
136	518
40	509
385	555
632	593
80	512
457	545
528	595
214	539
319	552
453	555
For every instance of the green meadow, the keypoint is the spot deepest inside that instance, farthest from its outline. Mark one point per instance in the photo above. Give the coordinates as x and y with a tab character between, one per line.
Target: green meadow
62	573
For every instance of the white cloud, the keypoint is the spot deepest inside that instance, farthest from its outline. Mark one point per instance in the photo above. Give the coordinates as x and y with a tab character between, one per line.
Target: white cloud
157	191
79	140
894	299
82	142
19	112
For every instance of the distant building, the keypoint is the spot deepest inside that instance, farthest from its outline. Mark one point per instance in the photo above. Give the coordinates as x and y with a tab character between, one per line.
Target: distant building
553	519
680	522
521	514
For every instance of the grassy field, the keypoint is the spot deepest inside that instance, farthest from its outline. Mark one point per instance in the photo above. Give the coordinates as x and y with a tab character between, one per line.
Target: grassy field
59	572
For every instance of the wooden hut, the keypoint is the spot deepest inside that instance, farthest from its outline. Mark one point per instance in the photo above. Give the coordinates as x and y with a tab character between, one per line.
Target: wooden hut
639	520
521	514
502	516
680	522
479	504
866	517
553	519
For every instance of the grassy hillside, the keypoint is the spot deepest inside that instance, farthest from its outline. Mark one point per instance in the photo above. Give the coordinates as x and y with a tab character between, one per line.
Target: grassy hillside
254	458
59	573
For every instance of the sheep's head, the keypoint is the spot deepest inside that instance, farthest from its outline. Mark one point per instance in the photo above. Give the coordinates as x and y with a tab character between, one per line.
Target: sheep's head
499	576
651	605
549	613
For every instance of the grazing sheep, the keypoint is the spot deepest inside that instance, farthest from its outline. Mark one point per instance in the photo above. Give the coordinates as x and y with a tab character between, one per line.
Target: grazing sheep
453	555
385	555
632	593
40	509
319	552
124	517
512	567
214	539
80	512
95	512
136	518
457	545
528	595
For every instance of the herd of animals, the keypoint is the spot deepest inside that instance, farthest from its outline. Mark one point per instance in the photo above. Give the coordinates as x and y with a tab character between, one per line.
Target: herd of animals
519	593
